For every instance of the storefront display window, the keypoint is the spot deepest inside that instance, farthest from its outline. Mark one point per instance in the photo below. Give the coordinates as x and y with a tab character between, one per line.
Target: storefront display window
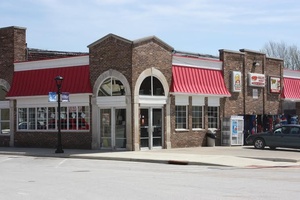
43	118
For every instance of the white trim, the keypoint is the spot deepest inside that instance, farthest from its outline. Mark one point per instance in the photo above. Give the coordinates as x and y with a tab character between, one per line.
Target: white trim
204	95
4	104
198	101
181	100
53	63
213	101
287	73
111	101
152	100
197	62
75	100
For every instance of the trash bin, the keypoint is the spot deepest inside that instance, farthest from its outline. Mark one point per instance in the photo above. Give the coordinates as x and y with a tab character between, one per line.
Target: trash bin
211	137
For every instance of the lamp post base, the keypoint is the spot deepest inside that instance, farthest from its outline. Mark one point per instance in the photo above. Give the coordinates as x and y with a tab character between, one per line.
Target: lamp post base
59	150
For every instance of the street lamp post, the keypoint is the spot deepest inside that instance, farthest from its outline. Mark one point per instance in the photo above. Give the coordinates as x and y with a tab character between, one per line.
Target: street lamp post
58	81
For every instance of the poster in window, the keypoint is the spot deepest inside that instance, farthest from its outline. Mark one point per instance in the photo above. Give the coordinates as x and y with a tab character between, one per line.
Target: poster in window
236	81
274	83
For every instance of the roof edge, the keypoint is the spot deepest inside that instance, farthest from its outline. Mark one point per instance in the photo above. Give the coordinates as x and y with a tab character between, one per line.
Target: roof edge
152	38
108	36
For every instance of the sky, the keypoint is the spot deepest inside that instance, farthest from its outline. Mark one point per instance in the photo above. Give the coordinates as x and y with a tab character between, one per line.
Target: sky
197	26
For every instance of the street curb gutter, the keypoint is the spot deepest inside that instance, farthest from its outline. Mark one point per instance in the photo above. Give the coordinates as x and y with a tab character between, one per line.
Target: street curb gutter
173	162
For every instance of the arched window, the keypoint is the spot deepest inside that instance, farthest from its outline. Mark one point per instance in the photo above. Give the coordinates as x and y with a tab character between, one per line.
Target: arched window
152	86
111	87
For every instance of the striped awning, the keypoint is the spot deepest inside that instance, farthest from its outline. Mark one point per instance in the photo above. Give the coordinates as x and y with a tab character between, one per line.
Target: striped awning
291	89
192	80
41	82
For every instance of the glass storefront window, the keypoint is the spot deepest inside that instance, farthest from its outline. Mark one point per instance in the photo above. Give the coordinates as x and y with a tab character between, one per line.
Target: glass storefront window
45	118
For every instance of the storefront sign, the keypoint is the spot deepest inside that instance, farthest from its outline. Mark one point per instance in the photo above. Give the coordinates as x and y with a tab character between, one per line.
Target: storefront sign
256	80
236	83
274	83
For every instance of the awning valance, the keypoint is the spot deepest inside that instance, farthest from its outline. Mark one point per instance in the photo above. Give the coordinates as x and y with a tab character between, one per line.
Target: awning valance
41	82
192	80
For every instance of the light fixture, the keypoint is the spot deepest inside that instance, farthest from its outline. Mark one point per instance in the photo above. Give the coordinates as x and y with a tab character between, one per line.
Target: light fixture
255	64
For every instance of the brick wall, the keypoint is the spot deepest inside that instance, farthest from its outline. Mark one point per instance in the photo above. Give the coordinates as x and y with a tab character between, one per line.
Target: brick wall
70	140
111	52
148	53
188	138
12	49
243	102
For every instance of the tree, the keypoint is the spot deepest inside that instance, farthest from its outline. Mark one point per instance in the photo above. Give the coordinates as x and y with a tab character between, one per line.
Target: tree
289	54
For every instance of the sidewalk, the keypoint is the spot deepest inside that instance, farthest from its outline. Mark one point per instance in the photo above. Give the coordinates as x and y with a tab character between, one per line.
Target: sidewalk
241	156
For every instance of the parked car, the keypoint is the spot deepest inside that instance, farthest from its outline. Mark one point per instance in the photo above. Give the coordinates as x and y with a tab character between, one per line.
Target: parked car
287	136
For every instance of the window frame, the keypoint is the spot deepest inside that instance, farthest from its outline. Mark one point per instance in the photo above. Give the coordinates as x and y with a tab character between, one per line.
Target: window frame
211	118
186	117
201	117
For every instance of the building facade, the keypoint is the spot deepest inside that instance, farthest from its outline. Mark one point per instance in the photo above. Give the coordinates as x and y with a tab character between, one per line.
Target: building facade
134	95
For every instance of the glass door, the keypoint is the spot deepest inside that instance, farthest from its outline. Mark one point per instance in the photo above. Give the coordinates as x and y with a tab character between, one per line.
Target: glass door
105	126
151	130
144	128
113	128
120	128
157	127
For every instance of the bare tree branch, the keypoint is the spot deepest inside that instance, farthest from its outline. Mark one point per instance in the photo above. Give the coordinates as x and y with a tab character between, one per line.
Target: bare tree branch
289	54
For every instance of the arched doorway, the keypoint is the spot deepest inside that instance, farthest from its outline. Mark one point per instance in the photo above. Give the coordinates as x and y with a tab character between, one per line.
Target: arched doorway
151	111
111	112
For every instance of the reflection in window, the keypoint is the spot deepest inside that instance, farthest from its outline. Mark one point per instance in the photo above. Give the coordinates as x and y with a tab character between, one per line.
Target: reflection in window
151	86
111	87
22	118
45	118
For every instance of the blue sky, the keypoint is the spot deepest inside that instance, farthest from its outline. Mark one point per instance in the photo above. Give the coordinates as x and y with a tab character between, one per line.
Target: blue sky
199	26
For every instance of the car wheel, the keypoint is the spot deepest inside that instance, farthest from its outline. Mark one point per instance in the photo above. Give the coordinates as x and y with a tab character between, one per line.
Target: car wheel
259	143
272	148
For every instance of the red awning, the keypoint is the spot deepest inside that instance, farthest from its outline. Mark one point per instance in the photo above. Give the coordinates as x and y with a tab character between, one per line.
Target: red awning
291	89
198	81
41	82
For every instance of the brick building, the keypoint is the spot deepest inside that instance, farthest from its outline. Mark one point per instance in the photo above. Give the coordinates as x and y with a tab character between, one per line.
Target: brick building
132	95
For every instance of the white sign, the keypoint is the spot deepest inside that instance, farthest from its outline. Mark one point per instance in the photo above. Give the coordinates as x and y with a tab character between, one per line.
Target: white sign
256	80
274	83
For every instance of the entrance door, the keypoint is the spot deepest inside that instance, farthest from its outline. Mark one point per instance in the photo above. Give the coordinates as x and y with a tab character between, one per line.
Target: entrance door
151	130
113	128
